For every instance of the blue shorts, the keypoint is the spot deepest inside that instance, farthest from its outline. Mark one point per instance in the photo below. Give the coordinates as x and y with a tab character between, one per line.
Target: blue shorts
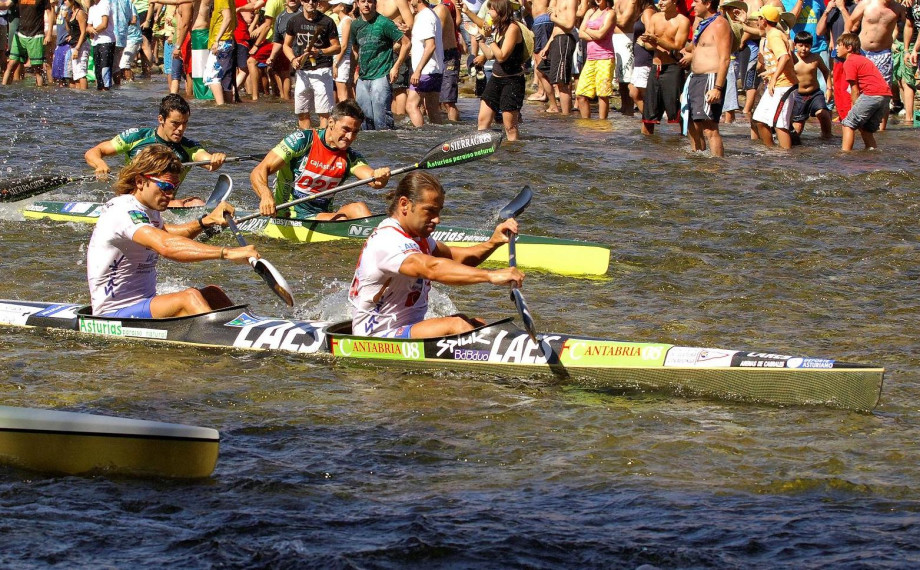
139	310
428	83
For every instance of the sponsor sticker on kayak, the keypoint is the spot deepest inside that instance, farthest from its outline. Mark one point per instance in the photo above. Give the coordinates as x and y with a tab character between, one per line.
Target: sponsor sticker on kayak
682	356
115	328
378	349
577	352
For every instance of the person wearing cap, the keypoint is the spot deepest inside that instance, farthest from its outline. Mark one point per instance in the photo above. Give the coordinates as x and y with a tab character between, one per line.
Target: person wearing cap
803	16
710	56
775	108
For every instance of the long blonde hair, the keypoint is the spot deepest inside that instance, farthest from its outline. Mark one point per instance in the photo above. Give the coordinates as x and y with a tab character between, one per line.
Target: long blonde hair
154	160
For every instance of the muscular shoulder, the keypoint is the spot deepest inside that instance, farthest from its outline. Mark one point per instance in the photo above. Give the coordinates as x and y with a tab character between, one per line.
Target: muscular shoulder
295	144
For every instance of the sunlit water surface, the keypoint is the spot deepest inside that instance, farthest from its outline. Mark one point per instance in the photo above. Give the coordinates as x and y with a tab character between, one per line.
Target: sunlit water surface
806	252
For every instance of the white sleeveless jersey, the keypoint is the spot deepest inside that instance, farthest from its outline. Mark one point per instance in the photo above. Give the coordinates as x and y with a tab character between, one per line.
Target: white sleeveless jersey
382	297
121	272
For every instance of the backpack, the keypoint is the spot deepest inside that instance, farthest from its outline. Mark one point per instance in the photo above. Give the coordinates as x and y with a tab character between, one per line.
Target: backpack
528	40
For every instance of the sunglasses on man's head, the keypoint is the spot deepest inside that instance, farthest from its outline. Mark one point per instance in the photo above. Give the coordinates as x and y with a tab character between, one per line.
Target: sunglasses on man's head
164	186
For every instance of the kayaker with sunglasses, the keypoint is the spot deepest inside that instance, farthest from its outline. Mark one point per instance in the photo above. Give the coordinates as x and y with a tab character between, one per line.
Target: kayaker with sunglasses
130	237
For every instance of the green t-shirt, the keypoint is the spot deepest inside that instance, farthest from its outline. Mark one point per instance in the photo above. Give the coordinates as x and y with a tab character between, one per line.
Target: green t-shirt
132	141
375	42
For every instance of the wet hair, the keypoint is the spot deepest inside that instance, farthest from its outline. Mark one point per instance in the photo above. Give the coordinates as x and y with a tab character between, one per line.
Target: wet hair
804	38
347	108
505	14
413	186
154	160
173	102
850	40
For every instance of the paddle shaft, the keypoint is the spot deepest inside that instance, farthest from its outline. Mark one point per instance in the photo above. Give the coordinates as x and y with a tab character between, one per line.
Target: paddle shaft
332	191
228	159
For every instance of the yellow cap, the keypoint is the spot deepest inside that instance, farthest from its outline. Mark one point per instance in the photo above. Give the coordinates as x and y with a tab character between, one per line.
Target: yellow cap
770	13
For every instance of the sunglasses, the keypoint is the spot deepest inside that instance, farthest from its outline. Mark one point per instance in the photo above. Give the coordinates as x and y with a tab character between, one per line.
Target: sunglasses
164	186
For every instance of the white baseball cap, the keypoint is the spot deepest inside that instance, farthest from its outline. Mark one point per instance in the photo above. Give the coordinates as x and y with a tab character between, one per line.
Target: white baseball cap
348	2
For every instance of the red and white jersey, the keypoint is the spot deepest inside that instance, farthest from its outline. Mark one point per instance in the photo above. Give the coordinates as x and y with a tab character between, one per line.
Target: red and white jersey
383	298
120	271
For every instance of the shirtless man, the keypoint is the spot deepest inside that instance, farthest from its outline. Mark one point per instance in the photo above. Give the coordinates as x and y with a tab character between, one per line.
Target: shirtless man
667	32
627	11
809	98
556	64
712	46
542	28
877	20
401	13
447	12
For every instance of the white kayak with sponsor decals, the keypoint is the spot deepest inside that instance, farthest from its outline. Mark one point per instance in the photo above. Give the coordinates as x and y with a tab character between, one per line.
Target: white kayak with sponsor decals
505	349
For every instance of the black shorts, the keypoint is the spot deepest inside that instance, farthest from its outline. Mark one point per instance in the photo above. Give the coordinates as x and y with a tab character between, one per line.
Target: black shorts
807	105
700	109
146	32
557	65
662	94
504	94
402	77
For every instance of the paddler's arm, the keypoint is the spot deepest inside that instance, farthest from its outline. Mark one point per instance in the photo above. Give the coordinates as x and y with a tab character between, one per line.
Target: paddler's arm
475	254
217	159
194	227
95	157
380	175
449	272
183	249
258	178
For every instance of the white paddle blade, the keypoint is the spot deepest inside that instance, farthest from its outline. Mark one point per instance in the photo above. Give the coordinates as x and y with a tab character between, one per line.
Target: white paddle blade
274	279
221	192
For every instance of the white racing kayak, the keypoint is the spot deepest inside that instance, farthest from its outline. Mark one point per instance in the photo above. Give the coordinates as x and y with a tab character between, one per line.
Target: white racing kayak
75	443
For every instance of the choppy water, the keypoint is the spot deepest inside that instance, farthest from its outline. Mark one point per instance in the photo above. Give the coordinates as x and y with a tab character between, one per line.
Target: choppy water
807	252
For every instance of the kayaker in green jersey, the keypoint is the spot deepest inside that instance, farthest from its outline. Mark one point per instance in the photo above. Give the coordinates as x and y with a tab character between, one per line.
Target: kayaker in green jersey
170	130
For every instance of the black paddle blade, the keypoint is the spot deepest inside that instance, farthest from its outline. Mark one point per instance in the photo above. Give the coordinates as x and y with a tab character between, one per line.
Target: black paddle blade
275	280
518	205
22	188
221	191
521	305
462	148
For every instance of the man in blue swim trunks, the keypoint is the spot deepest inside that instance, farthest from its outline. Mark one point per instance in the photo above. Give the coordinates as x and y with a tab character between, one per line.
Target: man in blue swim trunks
130	237
876	21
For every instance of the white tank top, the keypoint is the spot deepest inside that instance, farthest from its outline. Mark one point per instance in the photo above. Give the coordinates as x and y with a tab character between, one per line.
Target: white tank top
383	298
120	271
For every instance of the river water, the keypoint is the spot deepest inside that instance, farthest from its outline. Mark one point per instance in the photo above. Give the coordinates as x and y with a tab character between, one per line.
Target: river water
804	252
